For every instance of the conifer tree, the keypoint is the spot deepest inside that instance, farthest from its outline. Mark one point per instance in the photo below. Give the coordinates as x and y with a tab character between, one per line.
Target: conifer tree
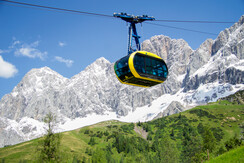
49	147
99	156
168	150
92	141
122	159
192	145
209	141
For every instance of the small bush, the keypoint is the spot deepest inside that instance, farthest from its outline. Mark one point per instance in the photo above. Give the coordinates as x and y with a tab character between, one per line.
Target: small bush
87	131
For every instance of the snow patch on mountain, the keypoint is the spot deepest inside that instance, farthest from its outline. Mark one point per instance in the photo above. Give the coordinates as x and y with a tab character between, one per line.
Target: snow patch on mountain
239	65
210	92
29	128
205	93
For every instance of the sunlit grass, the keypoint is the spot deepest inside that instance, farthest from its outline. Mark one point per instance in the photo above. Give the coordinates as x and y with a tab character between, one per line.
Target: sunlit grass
233	156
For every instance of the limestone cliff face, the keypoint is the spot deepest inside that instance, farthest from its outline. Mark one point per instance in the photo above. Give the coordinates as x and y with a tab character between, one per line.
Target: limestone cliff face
223	61
173	108
177	55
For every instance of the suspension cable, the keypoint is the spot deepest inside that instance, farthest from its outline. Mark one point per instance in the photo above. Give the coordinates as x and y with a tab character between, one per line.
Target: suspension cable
194	21
110	16
56	8
190	30
104	15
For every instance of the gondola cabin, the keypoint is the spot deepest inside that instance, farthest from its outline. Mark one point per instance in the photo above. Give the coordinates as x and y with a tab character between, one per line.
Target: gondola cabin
142	69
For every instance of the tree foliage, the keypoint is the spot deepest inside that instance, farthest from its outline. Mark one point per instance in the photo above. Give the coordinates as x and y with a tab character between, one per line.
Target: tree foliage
192	144
233	143
209	141
180	138
49	147
92	141
168	151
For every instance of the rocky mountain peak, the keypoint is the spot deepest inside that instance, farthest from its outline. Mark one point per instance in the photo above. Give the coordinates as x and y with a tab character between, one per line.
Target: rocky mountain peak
165	47
102	60
41	71
96	68
231	39
99	63
222	62
241	20
39	80
200	56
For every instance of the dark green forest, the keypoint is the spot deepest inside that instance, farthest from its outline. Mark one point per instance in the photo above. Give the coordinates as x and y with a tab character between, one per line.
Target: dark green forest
195	135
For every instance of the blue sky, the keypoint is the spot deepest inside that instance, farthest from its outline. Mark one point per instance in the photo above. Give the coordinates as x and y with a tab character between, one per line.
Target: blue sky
67	43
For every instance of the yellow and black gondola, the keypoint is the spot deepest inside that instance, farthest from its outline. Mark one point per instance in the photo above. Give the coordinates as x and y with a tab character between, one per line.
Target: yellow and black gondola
142	69
139	68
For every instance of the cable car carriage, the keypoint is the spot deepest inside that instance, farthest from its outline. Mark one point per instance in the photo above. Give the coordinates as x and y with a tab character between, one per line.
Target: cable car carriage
139	68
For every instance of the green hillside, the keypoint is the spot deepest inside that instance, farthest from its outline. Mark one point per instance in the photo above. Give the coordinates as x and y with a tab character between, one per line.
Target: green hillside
185	137
235	156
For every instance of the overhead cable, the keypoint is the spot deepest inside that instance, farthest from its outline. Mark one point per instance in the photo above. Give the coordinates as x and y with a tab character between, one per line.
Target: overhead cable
182	28
56	8
194	21
104	15
110	16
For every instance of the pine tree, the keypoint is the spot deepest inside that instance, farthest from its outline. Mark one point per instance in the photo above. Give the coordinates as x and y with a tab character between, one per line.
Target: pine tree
87	150
109	157
3	160
233	143
109	148
122	159
172	134
99	156
200	128
192	145
75	160
209	141
84	159
92	141
168	150
149	136
48	147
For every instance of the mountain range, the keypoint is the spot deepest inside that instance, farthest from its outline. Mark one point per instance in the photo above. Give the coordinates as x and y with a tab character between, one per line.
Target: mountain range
196	77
